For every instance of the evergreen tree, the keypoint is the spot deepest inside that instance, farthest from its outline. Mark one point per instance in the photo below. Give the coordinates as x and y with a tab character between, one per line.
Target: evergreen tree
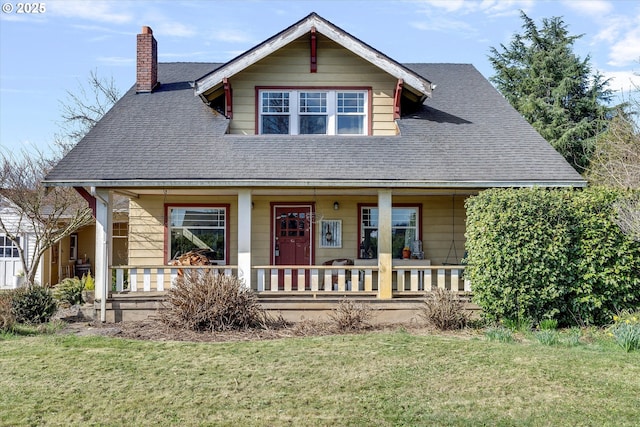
552	88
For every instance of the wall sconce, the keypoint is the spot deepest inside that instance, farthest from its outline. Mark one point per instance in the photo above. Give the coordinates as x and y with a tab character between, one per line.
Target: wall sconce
336	206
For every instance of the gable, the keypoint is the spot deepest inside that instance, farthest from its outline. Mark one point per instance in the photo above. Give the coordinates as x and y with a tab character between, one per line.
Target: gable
308	27
288	69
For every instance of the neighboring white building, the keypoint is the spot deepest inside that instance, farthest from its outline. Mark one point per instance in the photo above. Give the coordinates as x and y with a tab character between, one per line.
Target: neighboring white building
11	274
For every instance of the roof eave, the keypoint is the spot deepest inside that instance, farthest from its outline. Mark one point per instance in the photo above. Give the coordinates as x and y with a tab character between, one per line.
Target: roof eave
304	183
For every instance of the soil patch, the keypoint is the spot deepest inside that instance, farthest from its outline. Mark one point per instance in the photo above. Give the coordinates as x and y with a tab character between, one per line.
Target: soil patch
155	330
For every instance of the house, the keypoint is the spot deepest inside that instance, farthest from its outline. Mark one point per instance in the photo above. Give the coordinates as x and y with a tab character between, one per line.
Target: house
70	256
306	166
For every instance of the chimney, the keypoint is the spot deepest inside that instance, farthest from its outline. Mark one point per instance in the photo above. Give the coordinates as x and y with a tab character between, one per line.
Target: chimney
147	61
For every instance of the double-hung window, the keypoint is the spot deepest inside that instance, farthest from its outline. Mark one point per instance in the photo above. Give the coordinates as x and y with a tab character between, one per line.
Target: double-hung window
313	112
198	228
404	230
8	249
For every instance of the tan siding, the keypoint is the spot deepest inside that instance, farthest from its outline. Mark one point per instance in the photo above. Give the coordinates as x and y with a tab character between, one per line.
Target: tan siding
440	226
289	67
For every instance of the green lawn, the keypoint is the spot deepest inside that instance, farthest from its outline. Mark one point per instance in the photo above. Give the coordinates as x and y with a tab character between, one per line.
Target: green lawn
373	379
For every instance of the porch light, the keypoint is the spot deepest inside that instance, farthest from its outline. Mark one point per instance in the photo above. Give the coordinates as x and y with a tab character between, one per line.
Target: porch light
336	206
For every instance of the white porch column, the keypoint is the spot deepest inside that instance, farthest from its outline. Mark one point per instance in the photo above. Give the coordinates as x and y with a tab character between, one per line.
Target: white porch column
244	236
385	271
104	224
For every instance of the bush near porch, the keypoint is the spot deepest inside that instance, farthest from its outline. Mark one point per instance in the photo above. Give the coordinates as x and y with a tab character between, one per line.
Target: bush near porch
551	254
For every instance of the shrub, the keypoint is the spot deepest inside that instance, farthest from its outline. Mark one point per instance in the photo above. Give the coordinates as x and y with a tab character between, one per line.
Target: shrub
69	291
89	282
208	301
443	310
351	315
548	324
550	254
499	334
522	324
7	319
548	337
626	330
33	304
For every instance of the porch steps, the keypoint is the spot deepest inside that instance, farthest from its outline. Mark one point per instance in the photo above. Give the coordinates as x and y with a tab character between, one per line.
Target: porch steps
404	307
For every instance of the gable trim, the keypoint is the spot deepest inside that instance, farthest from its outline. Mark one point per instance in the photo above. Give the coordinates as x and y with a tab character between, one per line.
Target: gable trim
302	27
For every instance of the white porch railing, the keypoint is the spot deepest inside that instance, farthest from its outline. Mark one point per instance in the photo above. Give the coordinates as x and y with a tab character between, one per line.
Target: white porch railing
156	278
287	278
296	278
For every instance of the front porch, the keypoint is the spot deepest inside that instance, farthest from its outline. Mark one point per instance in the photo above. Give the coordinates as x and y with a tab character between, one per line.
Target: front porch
296	292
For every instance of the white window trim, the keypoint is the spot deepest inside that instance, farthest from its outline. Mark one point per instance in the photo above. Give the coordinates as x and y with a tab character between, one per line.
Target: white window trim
332	109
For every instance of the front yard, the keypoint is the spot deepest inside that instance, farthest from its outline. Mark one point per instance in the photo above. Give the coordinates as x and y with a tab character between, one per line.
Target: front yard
392	377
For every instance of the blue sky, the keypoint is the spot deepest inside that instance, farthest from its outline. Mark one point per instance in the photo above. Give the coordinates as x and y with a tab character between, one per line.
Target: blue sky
43	55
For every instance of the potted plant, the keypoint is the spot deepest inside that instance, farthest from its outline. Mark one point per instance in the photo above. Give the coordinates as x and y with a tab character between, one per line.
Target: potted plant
406	253
18	278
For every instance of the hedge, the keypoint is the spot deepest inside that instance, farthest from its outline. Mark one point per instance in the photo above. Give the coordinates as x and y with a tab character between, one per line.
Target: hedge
550	254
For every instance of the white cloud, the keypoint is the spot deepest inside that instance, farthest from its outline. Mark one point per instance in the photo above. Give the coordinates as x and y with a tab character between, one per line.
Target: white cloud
589	7
443	25
232	36
104	11
626	50
622	81
488	7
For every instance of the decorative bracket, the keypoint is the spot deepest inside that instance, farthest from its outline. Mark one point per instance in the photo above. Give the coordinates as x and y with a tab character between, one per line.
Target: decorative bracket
89	198
396	99
228	100
314	51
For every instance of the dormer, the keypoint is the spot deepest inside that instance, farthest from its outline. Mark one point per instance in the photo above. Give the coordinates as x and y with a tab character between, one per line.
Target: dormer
313	78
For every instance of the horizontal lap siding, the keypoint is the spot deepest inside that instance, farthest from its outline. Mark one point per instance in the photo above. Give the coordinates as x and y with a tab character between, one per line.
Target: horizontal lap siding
147	231
441	227
290	66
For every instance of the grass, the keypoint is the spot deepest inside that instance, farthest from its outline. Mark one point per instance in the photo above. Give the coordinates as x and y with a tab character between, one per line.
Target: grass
378	378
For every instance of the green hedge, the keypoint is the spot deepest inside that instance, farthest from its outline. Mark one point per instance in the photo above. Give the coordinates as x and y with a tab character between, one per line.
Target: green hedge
558	254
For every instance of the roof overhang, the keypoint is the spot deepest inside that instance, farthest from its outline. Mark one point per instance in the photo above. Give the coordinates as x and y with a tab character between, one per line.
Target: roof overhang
304	26
311	183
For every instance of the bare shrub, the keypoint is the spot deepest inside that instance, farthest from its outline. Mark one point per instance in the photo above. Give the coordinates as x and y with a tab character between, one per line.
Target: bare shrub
351	315
207	301
7	319
444	311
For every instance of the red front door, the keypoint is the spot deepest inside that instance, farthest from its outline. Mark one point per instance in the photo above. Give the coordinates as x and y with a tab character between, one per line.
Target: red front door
292	239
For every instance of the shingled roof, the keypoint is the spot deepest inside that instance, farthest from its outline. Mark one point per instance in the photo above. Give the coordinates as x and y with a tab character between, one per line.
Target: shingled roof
466	135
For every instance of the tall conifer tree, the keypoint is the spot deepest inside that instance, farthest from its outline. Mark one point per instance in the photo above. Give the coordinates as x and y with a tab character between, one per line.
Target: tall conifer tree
553	88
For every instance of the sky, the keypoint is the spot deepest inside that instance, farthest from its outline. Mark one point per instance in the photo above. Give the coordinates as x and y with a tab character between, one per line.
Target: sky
52	49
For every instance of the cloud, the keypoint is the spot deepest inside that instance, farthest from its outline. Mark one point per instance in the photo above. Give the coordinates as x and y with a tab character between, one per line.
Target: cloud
626	50
589	7
104	11
622	81
443	25
232	36
491	8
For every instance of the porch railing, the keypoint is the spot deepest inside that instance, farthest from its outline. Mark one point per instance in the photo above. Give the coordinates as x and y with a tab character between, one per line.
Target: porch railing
157	278
295	278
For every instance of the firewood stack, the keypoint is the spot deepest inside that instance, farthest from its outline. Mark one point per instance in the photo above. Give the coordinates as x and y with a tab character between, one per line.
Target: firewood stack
194	257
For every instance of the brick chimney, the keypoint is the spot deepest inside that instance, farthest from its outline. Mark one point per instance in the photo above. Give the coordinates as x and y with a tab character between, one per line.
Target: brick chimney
147	61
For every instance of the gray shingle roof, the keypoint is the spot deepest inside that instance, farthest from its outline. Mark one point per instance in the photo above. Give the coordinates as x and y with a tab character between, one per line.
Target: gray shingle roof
467	133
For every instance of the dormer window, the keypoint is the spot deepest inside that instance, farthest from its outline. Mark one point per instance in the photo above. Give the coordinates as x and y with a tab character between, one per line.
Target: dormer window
313	112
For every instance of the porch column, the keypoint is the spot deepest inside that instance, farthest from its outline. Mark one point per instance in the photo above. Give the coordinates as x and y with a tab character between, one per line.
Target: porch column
244	236
104	221
385	272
